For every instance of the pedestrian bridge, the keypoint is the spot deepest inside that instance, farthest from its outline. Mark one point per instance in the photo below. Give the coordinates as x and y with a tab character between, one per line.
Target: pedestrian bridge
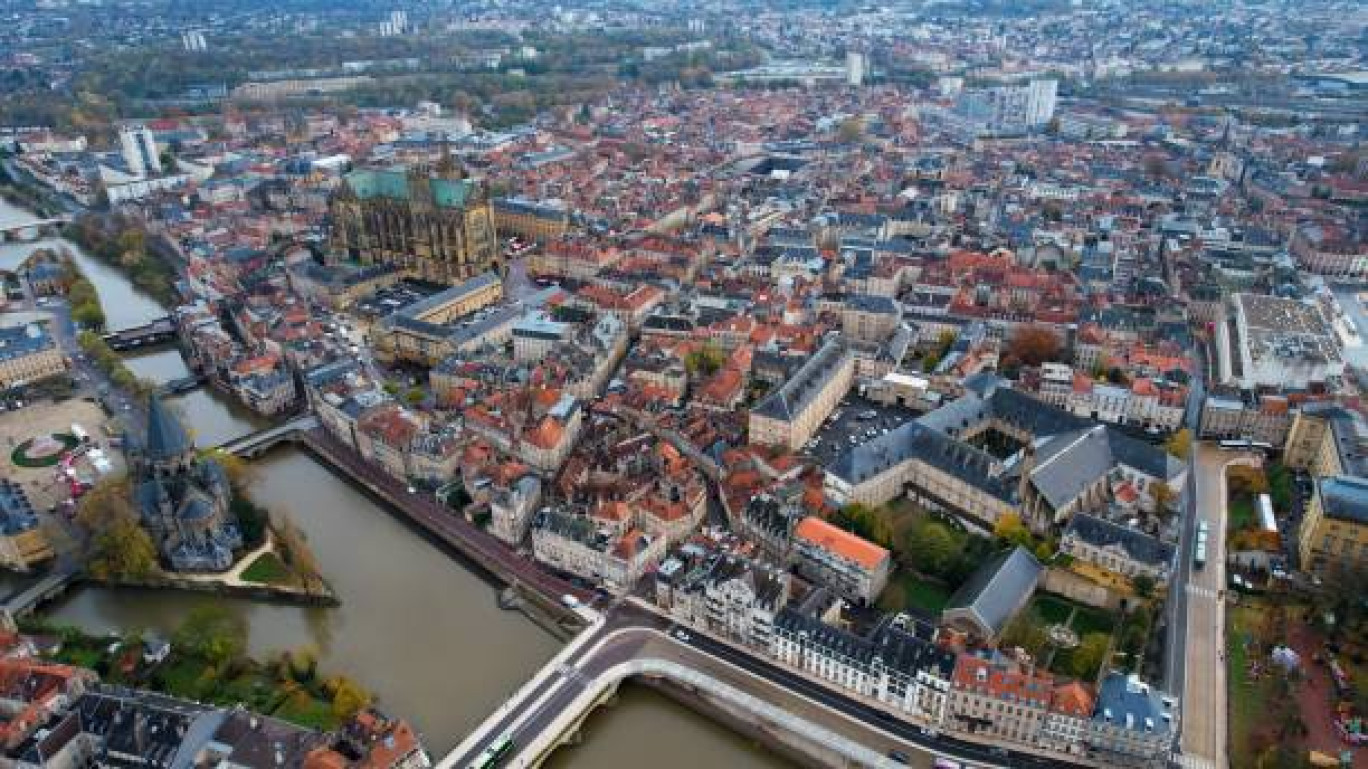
254	443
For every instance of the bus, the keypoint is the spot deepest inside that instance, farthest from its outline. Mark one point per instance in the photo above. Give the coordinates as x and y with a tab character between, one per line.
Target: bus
1199	551
497	751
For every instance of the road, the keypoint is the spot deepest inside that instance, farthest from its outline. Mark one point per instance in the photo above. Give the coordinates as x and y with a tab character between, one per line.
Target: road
446	525
633	632
1201	622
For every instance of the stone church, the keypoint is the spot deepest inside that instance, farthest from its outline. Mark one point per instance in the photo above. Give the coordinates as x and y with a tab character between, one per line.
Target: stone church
434	223
182	498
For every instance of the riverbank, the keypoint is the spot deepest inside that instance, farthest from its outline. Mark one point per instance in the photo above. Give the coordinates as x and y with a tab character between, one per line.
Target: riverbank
123	243
453	534
271	593
205	660
27	195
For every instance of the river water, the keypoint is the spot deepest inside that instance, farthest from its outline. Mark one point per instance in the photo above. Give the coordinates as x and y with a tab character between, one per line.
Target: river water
415	626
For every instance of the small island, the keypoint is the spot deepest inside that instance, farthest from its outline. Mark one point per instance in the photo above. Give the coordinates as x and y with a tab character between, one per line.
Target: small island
180	518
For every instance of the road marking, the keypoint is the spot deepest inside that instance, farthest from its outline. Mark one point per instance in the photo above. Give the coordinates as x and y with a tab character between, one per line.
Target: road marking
1193	762
1205	592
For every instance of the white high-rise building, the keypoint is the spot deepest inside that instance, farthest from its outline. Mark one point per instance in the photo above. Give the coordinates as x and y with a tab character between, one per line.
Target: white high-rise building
1041	98
857	66
140	150
193	40
400	21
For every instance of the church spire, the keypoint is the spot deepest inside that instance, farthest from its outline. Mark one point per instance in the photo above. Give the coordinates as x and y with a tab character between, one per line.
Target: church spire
447	166
166	437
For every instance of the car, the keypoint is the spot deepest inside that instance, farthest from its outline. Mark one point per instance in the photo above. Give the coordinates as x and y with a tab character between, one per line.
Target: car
899	756
682	634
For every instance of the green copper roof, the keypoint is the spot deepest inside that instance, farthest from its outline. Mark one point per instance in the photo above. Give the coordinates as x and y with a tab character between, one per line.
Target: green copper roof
393	184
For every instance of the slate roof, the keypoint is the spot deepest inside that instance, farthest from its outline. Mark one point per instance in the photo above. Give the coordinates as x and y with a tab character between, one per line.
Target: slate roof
1345	498
20	341
995	591
886	646
1138	545
1131	704
915	440
792	397
1068	464
166	436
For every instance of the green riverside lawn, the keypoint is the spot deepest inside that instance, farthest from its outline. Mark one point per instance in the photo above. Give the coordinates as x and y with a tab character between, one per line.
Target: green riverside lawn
287	686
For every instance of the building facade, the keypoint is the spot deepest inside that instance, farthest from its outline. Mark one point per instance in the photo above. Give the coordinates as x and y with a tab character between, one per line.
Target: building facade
436	225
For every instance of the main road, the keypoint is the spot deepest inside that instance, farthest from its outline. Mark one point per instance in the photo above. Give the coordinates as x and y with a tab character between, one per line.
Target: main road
1198	595
630	632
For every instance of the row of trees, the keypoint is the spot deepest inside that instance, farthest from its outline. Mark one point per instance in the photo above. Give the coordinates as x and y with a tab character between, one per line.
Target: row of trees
217	637
80	292
106	360
121	241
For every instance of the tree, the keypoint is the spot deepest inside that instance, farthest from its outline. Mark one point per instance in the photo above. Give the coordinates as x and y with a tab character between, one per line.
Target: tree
1010	529
119	547
1179	444
1084	661
347	696
1025	631
122	550
241	473
704	360
850	131
1034	344
1244	479
871	523
932	547
1164	498
213	633
1144	585
88	315
294	550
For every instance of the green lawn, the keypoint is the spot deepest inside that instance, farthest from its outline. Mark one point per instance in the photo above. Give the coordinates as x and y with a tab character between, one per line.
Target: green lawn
267	569
1051	610
80	656
1241	513
1247	699
307	711
1090	620
910	591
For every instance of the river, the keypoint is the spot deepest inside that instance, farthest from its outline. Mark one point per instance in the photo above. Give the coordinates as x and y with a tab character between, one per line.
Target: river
415	626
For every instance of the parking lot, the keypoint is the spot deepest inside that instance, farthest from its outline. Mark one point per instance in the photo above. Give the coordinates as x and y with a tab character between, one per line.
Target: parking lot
393	298
853	422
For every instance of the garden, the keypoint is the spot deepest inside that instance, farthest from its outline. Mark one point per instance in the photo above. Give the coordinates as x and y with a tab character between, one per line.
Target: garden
208	663
1068	638
43	450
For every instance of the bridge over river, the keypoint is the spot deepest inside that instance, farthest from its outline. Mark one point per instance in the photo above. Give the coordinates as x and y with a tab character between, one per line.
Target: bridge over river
631	639
32	229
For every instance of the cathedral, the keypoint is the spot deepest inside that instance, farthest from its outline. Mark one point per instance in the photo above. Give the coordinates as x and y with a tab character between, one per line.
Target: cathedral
182	498
435	223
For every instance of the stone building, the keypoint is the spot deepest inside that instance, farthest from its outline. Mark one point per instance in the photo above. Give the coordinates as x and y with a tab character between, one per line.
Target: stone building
435	224
182	498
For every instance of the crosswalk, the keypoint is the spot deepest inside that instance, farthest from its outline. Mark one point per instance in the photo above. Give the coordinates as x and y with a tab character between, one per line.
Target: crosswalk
1192	762
1198	590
